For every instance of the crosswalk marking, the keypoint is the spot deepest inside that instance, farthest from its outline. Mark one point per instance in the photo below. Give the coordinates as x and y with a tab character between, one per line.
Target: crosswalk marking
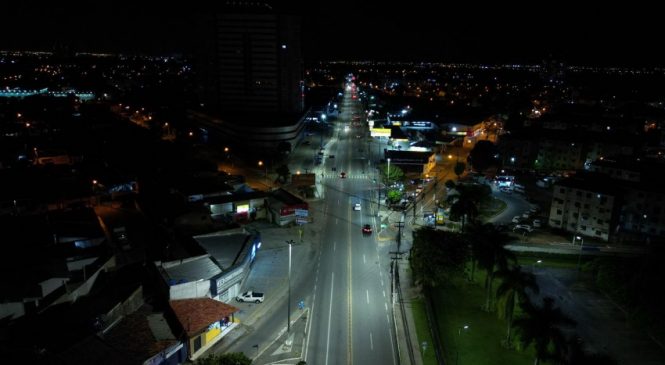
336	176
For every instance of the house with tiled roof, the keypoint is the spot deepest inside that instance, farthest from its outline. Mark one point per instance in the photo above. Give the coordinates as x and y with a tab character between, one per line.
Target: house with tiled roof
204	322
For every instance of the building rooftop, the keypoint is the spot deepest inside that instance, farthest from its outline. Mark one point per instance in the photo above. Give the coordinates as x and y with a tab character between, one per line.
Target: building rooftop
188	270
197	314
225	246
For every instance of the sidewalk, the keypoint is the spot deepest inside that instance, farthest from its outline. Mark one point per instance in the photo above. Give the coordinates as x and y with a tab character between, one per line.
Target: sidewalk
288	347
404	321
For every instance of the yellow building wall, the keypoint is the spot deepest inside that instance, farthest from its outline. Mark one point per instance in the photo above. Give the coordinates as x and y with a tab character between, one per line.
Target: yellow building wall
212	334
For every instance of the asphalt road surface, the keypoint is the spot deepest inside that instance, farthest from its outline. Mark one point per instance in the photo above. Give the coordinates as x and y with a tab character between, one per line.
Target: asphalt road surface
350	320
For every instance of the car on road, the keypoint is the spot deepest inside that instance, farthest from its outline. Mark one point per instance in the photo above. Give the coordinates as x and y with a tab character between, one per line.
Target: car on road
342	175
367	230
250	296
356	206
523	228
331	156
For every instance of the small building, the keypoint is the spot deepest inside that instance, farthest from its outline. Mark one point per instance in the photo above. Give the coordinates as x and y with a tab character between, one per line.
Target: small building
234	250
204	322
190	277
217	274
282	207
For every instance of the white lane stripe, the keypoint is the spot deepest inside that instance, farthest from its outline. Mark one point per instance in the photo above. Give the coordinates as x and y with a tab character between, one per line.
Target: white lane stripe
364	259
367	291
332	285
384	293
392	345
371	341
385	305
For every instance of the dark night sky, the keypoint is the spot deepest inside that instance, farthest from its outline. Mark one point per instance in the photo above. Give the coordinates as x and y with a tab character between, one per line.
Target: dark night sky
475	32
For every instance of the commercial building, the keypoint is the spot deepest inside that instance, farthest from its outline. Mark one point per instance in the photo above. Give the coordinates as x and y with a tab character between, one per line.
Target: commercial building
250	71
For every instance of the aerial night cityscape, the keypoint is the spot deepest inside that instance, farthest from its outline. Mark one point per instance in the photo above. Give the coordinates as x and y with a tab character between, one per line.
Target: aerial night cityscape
353	182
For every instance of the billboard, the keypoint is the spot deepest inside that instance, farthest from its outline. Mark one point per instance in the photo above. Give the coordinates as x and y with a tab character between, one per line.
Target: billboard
380	132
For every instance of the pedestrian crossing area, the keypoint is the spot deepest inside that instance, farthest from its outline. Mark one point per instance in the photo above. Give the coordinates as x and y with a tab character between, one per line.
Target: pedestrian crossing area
351	177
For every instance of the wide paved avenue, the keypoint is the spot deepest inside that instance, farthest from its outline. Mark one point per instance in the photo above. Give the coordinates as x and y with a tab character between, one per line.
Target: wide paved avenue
350	320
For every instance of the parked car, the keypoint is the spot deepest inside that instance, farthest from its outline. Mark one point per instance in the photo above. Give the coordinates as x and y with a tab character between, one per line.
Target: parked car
523	227
517	219
250	296
342	175
356	206
537	223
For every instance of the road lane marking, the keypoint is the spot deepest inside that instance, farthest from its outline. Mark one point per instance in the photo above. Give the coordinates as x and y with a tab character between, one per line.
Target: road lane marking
384	293
390	334
367	291
371	341
332	285
385	305
349	262
364	260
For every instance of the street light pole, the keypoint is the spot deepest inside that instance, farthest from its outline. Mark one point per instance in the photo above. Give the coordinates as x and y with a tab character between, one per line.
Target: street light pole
579	257
288	325
459	341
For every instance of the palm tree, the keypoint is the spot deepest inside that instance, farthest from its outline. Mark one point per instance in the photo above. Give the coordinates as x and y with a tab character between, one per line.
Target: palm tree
488	244
540	326
514	286
463	202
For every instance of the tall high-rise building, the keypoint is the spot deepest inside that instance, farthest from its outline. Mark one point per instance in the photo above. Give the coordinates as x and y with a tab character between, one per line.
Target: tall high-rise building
250	60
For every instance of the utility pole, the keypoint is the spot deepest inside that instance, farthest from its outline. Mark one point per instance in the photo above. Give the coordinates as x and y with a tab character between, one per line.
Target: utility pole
288	318
415	200
400	225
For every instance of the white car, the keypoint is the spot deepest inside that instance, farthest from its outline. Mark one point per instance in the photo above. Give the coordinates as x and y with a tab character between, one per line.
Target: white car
523	227
517	219
356	206
537	223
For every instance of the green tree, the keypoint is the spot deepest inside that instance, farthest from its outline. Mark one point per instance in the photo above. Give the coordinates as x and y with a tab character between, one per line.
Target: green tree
393	175
283	173
540	326
394	196
230	358
437	256
459	169
513	288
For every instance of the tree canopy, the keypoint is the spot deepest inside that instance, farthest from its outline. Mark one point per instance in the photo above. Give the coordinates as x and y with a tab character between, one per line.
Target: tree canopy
437	256
484	155
392	175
